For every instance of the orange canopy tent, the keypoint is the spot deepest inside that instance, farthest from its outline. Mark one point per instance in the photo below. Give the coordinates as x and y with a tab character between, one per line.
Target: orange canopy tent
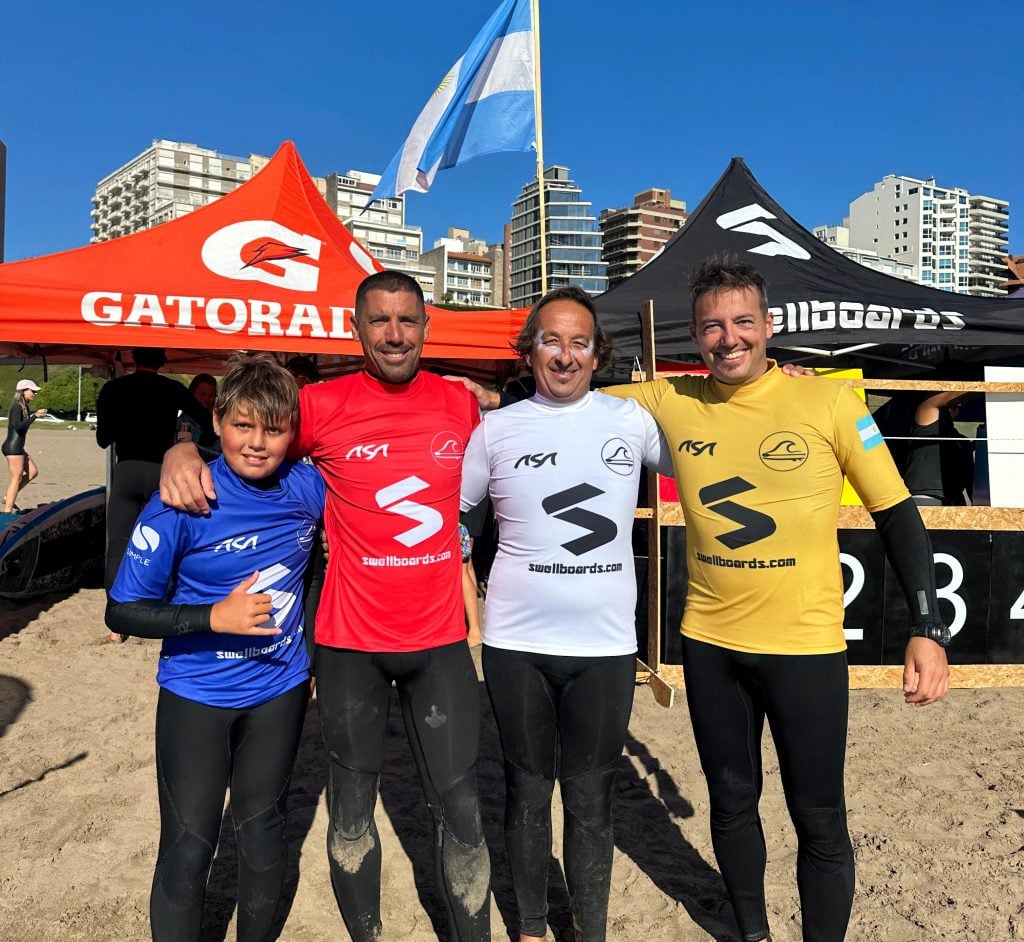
267	267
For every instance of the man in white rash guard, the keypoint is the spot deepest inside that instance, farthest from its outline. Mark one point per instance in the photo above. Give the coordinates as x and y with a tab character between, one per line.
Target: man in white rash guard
562	470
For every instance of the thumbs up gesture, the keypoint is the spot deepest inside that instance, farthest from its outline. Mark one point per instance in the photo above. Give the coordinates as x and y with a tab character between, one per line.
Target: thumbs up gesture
243	612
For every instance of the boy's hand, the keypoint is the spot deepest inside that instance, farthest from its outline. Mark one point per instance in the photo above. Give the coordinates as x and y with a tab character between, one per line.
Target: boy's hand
242	612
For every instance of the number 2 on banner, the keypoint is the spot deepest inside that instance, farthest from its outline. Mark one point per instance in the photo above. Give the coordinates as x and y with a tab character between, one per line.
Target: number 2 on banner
856	585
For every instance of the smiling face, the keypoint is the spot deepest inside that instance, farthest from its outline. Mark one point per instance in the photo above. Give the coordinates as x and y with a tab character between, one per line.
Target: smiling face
252	449
392	327
563	357
731	332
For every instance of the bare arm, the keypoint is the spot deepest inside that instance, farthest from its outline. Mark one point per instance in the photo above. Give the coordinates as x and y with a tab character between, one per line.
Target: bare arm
185	480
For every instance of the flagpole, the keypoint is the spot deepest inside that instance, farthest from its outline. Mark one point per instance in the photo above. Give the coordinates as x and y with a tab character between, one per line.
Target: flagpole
535	14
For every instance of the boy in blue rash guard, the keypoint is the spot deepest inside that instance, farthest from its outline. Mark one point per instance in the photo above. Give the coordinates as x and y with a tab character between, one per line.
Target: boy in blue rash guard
224	592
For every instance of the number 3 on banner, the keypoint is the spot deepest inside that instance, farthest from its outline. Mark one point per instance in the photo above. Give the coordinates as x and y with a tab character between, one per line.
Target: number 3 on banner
948	591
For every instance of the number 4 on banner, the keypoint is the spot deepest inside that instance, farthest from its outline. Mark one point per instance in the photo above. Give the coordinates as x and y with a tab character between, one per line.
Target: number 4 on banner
1017	609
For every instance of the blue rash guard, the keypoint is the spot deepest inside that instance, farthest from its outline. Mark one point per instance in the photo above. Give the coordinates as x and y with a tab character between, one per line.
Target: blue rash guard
180	558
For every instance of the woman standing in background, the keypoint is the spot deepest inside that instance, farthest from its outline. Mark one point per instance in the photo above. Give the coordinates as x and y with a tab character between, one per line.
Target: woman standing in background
19	462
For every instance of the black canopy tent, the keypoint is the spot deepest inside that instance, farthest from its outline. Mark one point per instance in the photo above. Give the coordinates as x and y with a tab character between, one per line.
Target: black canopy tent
820	300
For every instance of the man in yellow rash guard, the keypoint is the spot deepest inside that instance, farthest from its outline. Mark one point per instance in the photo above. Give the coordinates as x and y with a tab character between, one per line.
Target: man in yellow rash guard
759	460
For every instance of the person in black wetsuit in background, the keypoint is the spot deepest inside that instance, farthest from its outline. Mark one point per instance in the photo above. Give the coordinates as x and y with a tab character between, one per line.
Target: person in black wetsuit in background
138	415
19	462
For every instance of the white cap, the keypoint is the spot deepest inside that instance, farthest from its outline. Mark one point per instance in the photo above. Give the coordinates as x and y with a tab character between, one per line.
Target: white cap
26	384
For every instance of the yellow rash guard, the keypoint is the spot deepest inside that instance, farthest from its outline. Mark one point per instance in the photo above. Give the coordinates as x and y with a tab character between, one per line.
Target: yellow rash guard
760	473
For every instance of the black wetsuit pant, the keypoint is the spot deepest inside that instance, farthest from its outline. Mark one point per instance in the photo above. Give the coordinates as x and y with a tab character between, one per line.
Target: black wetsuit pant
201	751
563	717
132	483
805	699
439	694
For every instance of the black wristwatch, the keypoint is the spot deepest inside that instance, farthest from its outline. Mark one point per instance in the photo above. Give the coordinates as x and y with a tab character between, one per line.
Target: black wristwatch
933	631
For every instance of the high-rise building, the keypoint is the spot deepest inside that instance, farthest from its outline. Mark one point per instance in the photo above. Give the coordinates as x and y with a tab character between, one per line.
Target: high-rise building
167	180
838	238
466	270
573	240
633	235
382	228
956	240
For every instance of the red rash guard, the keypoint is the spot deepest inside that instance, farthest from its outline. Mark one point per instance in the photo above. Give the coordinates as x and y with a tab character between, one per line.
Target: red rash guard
392	459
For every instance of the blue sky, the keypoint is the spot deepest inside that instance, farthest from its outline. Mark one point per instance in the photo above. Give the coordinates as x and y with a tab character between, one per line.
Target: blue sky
821	99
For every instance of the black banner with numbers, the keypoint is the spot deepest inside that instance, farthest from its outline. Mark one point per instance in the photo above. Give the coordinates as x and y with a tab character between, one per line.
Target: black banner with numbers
979	577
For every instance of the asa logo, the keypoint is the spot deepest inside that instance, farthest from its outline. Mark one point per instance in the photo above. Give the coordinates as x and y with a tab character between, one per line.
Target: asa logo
696	448
747	219
237	543
264	250
368	451
448	449
537	461
145	539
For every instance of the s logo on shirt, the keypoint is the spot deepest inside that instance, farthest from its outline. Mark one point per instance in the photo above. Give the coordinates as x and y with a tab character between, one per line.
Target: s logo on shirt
393	499
145	539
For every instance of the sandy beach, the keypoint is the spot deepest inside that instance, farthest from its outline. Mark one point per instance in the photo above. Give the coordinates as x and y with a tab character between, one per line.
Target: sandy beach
936	802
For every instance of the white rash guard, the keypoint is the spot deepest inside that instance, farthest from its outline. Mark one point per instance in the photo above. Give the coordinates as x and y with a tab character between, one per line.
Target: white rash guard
564	482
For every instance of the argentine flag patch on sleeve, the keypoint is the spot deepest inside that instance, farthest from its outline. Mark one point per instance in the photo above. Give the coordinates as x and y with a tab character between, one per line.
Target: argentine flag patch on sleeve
870	437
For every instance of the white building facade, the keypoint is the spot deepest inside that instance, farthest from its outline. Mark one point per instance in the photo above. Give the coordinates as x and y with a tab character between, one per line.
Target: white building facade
956	240
838	238
166	181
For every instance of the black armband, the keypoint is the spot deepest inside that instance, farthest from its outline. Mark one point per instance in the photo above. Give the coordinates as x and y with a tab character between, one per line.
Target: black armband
909	551
150	618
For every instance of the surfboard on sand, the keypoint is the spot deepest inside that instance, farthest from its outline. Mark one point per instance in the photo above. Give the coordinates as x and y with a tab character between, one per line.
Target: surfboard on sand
54	547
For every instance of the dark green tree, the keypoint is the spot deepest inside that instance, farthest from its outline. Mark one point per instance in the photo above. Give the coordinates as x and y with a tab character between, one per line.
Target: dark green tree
60	394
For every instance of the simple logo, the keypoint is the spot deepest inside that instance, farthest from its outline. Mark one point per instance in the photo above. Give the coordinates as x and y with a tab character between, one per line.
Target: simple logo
368	451
393	499
305	534
745	220
263	250
237	543
145	538
783	451
281	602
448	449
754	526
696	448
562	506
538	460
618	457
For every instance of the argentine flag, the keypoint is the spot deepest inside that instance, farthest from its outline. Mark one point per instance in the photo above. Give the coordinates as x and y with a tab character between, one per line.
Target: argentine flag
484	105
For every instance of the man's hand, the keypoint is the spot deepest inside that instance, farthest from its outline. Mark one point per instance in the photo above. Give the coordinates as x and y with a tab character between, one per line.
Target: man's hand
794	369
925	672
487	399
185	480
242	612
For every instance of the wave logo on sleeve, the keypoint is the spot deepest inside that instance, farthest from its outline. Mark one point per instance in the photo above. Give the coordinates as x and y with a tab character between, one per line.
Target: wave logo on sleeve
448	449
393	499
870	436
145	539
783	451
618	457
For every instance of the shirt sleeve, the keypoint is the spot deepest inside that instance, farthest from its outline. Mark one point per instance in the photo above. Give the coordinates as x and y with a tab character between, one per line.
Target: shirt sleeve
158	541
657	454
476	469
647	395
863	454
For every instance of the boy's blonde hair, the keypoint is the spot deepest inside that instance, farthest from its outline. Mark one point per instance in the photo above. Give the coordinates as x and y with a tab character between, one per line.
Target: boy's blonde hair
261	387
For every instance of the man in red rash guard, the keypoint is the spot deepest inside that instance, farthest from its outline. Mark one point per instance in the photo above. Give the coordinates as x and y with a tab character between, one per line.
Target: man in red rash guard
389	442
